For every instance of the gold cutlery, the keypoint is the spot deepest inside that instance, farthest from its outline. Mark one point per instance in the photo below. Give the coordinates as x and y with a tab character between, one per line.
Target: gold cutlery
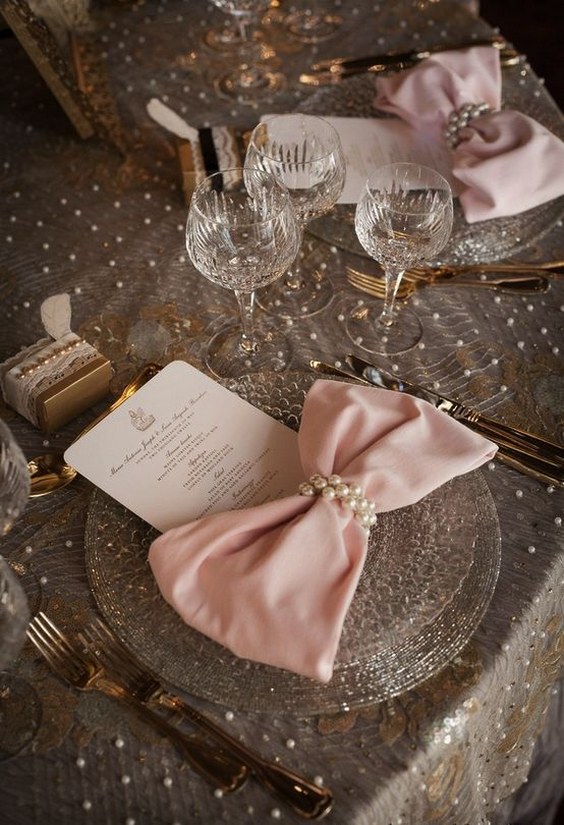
526	452
308	800
507	57
413	55
373	285
84	673
50	471
545	268
506	435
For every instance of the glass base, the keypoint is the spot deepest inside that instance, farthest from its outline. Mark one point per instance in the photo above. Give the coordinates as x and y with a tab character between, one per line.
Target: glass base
311	26
366	330
226	359
229	39
314	295
247	84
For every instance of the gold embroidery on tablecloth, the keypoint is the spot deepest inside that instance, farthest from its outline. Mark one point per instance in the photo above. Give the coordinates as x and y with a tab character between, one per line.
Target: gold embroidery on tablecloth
443	785
544	669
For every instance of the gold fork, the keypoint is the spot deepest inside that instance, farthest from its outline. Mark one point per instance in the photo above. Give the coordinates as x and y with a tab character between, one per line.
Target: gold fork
84	673
308	800
411	283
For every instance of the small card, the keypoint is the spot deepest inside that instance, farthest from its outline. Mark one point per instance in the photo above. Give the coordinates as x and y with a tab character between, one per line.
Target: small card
184	447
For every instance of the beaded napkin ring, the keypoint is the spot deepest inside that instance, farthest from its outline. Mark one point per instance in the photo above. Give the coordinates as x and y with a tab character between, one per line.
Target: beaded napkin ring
350	495
460	118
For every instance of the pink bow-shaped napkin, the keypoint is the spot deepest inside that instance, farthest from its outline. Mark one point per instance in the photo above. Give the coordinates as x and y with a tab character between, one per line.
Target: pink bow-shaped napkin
273	583
505	162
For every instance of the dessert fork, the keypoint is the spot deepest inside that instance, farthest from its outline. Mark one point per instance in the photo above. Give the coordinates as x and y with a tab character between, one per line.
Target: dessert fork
85	673
411	283
308	800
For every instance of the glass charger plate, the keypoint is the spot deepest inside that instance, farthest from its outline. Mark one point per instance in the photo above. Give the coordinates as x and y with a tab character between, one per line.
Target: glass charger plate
469	243
429	576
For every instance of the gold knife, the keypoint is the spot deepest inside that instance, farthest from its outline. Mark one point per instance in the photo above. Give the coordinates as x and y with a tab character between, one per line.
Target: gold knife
411	56
513	436
508	57
544	466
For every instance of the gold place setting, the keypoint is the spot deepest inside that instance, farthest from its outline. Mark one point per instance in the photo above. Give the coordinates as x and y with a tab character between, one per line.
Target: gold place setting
281	441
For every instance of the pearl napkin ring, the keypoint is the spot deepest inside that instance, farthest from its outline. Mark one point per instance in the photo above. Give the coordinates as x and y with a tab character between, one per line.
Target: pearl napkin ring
333	488
460	118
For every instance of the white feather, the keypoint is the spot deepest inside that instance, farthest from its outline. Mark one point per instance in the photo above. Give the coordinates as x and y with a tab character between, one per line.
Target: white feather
56	315
170	120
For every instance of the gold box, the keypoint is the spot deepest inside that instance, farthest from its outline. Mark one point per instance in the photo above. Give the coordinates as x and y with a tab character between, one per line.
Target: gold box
74	394
218	148
52	382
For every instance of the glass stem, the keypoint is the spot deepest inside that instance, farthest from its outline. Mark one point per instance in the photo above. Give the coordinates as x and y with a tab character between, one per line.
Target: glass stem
293	277
243	26
393	278
248	343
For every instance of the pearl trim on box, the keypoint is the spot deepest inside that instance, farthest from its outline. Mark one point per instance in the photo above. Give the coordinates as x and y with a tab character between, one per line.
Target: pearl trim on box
333	488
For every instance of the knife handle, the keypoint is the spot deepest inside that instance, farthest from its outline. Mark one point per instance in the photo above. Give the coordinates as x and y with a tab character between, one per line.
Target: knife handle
520	458
528	467
531	443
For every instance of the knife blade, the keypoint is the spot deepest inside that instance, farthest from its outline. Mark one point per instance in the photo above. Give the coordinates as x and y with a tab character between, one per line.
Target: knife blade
511	454
411	56
512	437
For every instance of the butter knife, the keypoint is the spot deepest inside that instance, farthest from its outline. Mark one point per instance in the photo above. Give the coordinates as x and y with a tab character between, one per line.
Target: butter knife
516	456
549	450
411	56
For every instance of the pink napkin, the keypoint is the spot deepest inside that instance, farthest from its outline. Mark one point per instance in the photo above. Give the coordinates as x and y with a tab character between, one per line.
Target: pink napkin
273	583
506	162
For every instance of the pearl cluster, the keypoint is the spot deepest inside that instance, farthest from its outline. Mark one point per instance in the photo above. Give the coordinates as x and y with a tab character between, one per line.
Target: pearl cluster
47	359
460	118
350	495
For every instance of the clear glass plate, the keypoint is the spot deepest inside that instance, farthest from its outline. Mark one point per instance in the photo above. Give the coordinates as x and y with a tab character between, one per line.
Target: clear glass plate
478	242
429	576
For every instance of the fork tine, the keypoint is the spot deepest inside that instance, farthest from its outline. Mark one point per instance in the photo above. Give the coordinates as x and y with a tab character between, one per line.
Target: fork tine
379	287
115	658
55	649
374	285
100	641
53	632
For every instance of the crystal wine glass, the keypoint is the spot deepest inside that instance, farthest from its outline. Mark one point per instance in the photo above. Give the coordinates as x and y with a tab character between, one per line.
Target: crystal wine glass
253	77
404	217
236	32
305	154
14	492
242	233
312	23
14	479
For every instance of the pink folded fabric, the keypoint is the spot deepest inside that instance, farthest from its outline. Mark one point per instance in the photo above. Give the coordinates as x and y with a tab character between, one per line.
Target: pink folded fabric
273	583
505	162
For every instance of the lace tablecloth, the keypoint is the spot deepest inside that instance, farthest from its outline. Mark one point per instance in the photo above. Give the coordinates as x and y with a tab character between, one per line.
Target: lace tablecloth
107	227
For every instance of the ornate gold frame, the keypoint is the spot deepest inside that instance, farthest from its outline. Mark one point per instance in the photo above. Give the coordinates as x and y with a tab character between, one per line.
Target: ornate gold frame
43	50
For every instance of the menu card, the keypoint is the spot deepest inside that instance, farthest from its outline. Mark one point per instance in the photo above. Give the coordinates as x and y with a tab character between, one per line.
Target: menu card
372	142
183	447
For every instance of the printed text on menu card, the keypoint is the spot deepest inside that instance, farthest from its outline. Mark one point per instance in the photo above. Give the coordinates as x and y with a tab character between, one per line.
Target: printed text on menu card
184	447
